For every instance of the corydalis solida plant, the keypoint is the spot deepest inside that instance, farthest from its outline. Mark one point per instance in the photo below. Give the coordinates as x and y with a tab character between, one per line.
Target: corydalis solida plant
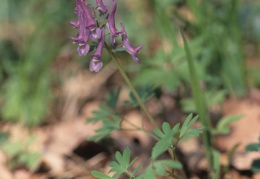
89	28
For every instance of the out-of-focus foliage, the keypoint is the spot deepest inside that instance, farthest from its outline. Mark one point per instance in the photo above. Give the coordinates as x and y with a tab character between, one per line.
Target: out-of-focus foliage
145	93
218	33
32	35
223	125
33	32
254	147
19	153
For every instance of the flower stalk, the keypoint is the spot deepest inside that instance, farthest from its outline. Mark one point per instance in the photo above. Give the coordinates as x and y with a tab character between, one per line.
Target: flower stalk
128	82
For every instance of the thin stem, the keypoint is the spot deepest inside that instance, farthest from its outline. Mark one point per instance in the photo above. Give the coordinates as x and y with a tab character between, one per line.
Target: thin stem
151	119
174	157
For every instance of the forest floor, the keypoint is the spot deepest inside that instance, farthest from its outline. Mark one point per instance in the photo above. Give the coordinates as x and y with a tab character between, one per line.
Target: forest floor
66	154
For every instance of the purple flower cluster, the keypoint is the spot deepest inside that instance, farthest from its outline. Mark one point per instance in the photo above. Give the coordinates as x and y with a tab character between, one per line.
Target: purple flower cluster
89	28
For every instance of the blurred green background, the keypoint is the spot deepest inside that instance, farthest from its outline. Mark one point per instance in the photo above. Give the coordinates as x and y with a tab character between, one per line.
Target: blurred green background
36	56
223	35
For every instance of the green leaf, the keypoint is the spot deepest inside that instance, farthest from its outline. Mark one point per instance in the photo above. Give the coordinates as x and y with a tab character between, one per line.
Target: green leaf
122	163
194	132
223	124
108	127
255	167
161	146
126	157
120	159
159	166
144	92
254	147
166	140
30	159
100	114
159	133
195	86
13	148
99	137
3	137
188	105
100	175
112	98
184	125
148	174
187	125
166	127
216	164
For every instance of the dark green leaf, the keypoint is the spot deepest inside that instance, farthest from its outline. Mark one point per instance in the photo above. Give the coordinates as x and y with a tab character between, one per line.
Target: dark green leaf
254	147
3	137
256	166
112	98
100	114
100	175
144	92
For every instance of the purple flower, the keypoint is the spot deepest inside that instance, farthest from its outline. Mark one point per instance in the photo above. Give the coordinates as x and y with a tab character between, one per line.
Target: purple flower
96	64
87	27
87	19
82	39
129	48
111	24
101	7
95	32
83	33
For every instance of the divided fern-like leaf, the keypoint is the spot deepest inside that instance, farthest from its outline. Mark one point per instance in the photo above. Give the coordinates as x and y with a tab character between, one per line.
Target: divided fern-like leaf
187	124
144	92
122	163
186	130
120	166
112	98
107	127
166	141
100	114
158	168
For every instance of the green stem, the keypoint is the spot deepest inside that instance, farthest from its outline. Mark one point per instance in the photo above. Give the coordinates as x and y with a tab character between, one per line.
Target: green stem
132	88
